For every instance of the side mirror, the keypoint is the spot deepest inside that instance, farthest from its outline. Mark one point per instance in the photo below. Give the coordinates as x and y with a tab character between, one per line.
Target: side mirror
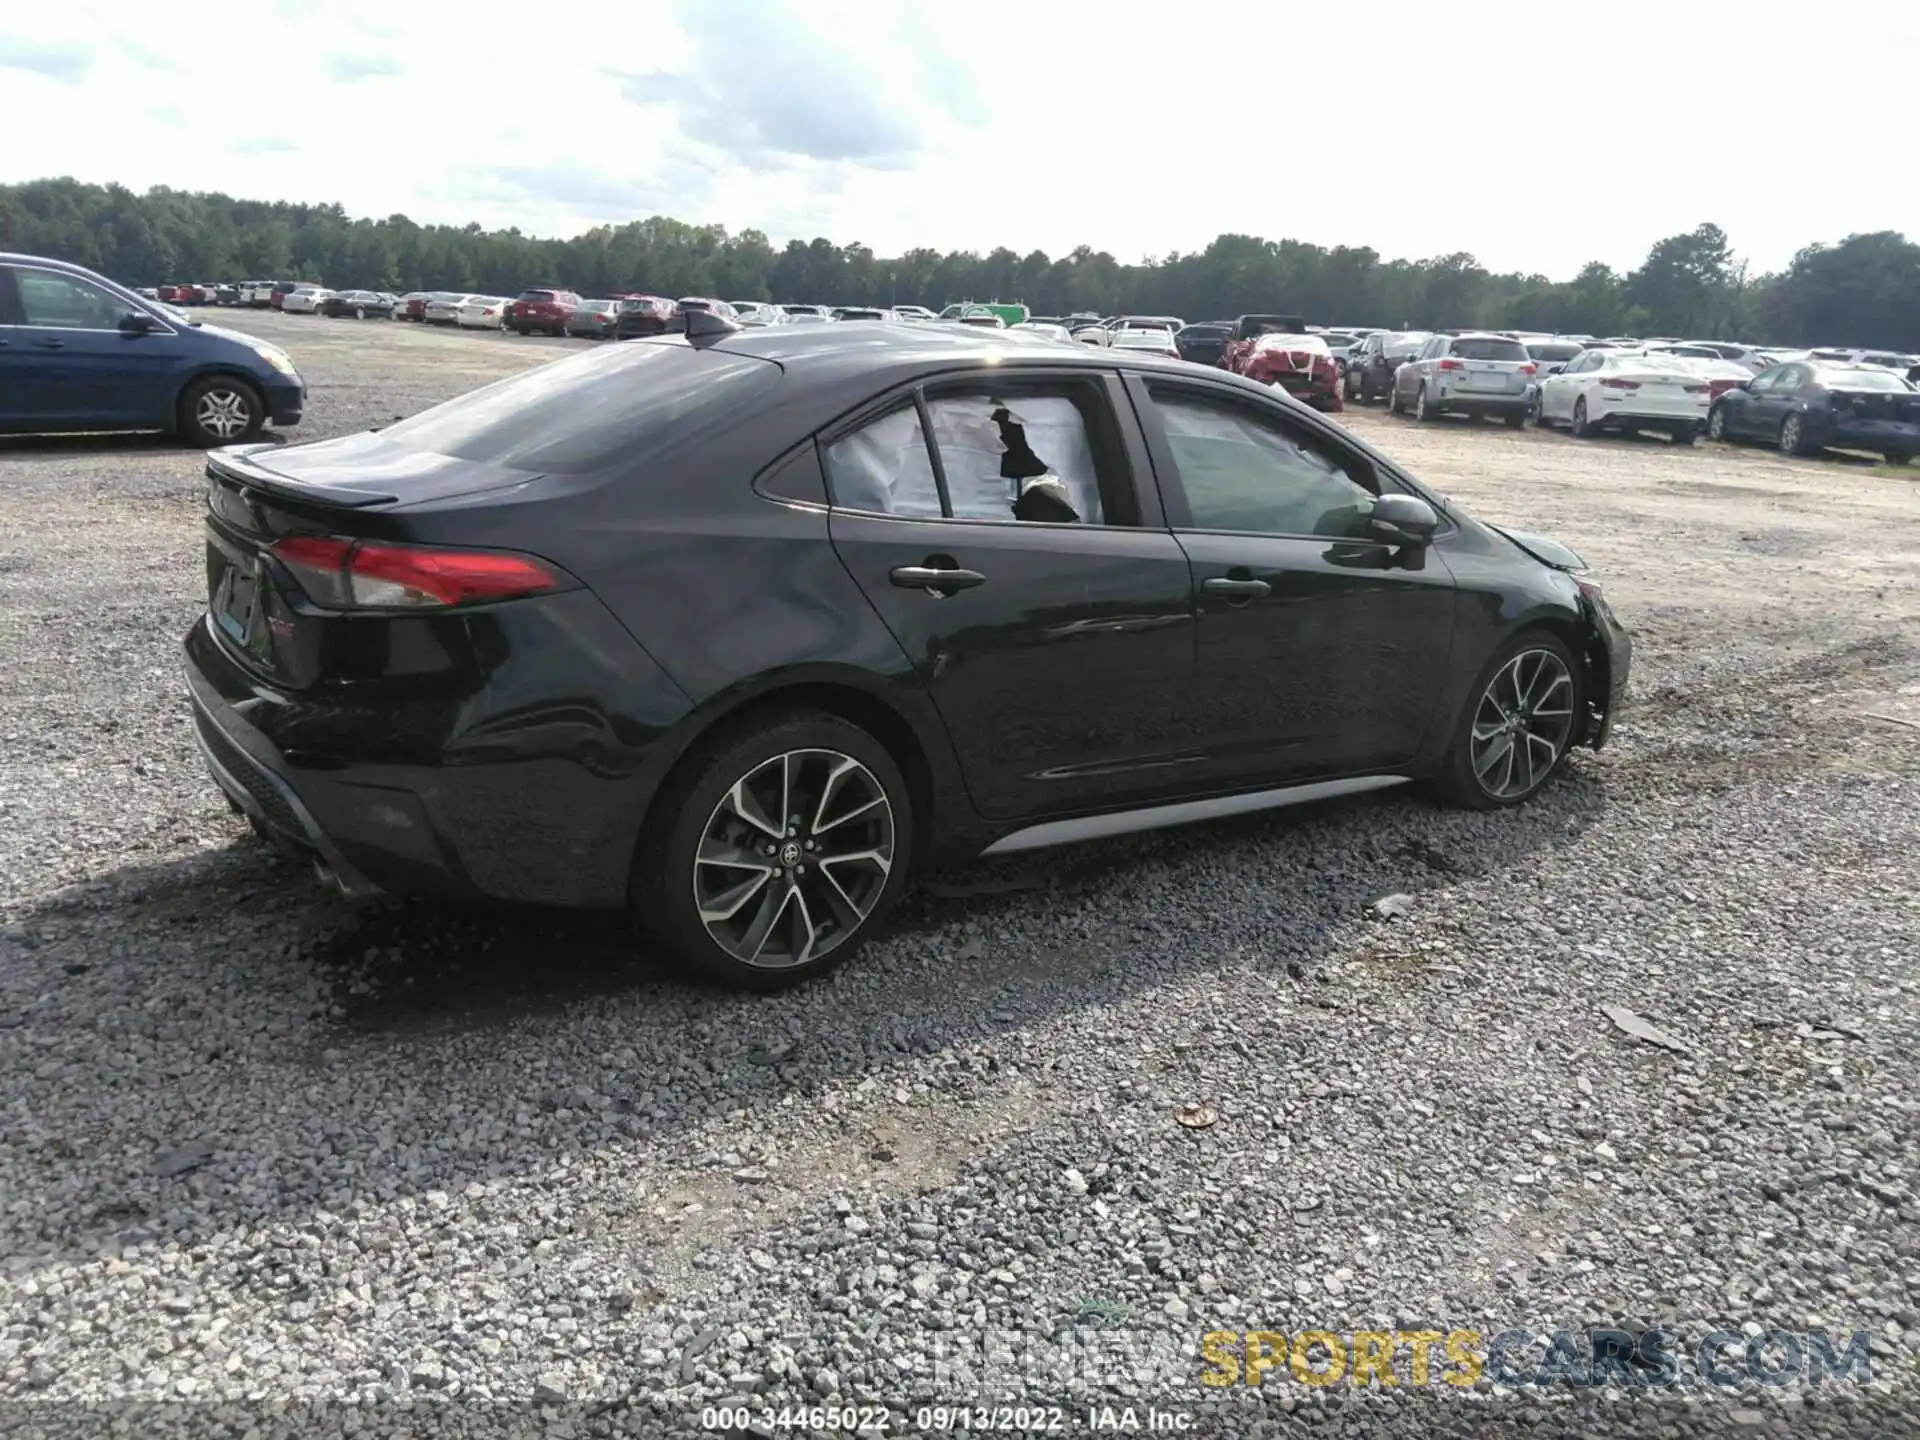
136	322
1403	520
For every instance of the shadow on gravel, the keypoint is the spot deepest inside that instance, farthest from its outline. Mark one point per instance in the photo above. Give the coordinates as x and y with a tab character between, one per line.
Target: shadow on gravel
30	448
270	1013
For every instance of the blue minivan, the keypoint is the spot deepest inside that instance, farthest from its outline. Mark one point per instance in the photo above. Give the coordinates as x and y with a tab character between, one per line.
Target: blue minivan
78	352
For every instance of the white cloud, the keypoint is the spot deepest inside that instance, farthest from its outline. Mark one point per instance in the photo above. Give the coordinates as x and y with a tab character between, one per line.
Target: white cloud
1534	137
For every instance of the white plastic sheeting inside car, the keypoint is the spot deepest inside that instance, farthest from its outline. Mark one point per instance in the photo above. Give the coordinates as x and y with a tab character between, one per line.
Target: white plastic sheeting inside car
884	467
972	450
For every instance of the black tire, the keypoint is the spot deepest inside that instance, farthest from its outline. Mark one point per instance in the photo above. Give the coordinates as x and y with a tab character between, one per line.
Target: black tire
668	877
1577	426
1517	420
218	410
1457	782
1717	425
521	331
1793	436
1393	399
1420	411
359	312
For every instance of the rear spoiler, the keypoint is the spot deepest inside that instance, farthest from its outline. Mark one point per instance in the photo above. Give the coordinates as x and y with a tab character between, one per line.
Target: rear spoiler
235	463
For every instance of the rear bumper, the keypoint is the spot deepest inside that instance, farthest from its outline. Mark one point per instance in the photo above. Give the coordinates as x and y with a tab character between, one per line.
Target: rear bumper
1469	402
1900	437
1650	412
441	795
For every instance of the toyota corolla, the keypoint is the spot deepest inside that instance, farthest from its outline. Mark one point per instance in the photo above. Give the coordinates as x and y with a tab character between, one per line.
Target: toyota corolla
740	628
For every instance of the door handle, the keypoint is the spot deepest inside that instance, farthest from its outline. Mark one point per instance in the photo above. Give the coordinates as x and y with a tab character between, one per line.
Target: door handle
50	344
930	577
1239	589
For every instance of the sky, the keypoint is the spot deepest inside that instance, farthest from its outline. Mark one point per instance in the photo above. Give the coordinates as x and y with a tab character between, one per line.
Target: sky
1534	137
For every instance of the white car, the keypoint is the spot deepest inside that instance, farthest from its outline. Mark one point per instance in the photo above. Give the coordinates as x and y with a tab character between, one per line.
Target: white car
304	300
482	312
1093	335
1153	341
443	307
914	312
1044	330
1628	390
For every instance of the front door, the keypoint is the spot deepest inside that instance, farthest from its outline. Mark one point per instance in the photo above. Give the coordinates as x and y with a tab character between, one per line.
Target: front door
80	367
1058	648
1321	652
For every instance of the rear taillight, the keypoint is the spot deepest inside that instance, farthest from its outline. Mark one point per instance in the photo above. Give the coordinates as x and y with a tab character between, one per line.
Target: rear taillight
1449	365
342	574
1528	369
1612	384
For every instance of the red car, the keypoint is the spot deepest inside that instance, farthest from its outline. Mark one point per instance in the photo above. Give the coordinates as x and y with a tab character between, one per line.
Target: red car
542	310
1277	350
168	293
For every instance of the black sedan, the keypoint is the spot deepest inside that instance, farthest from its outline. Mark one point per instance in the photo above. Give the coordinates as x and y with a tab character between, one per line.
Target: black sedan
1804	407
706	626
358	305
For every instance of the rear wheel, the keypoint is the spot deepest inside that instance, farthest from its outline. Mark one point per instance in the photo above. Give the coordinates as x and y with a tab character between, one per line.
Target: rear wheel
220	410
520	330
779	850
359	312
1421	411
1393	400
1517	420
1793	436
1517	728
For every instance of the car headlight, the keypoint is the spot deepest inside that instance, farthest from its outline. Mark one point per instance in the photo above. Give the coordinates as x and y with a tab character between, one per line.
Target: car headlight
277	358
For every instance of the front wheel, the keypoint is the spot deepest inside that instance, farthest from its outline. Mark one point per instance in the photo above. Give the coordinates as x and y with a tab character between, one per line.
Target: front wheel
359	312
1518	725
220	410
1579	428
779	851
1717	424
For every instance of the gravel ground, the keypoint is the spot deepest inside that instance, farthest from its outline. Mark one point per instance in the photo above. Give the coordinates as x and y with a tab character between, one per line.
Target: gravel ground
258	1144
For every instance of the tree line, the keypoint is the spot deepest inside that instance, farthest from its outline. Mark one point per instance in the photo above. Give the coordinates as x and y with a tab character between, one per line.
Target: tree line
1863	290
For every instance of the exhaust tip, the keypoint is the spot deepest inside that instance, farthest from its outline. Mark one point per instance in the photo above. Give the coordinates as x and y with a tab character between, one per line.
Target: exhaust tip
348	889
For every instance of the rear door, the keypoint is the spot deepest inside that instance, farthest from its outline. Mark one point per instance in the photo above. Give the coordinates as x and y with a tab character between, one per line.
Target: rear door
1320	651
1058	648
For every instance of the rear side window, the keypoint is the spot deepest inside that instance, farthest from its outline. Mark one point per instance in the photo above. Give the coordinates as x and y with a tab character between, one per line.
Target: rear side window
1031	453
585	414
1483	348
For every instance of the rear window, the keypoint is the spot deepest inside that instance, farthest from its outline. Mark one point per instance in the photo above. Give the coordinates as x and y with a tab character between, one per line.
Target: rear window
582	415
1838	379
537	295
1487	348
1553	354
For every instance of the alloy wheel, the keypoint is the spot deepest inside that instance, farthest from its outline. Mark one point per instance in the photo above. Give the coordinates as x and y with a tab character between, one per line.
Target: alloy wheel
1790	435
1420	404
1716	424
793	858
1522	725
224	413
